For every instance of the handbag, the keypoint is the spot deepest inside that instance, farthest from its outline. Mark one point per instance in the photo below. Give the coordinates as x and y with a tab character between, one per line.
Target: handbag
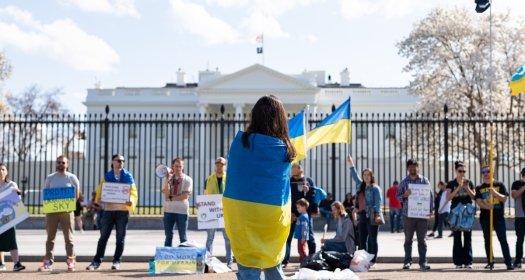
373	218
461	218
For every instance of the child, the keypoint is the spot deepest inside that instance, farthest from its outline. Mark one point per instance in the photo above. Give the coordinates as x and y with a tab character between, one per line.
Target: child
302	228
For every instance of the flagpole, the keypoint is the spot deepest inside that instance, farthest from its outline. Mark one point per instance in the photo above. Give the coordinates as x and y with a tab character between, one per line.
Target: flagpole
305	121
262	36
491	150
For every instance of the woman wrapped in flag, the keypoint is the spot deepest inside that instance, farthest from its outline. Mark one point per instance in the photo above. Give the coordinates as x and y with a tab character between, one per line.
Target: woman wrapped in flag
257	200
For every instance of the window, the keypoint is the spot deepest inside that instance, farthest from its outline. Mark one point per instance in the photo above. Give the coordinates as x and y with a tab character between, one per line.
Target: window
361	131
389	130
132	131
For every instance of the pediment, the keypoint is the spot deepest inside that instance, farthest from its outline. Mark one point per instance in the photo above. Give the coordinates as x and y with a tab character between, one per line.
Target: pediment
256	77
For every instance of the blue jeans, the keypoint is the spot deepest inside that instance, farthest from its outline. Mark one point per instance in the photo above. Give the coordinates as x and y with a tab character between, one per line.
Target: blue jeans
500	228
209	242
395	212
98	219
519	224
330	245
327	214
119	219
170	219
368	236
252	273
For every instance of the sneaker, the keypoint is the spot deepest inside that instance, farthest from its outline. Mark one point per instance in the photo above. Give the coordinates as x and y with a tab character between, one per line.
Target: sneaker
424	267
284	265
489	266
459	266
18	266
2	267
517	265
468	266
229	264
451	234
510	267
93	266
71	264
430	234
115	266
407	266
439	236
47	265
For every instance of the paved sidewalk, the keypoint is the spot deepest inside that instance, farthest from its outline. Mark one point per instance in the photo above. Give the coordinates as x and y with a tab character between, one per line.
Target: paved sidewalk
141	244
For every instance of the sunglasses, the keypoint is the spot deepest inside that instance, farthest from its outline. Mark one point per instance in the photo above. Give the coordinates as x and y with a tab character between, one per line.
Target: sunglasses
485	172
462	171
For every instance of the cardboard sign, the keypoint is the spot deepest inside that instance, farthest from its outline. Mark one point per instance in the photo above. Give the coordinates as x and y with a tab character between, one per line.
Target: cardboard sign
115	192
209	214
419	201
12	210
180	260
57	200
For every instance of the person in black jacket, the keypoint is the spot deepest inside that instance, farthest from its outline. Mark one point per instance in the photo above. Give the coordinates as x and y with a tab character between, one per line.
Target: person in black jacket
301	187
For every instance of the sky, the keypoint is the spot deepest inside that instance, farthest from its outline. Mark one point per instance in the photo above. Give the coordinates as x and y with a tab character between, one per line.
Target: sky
74	44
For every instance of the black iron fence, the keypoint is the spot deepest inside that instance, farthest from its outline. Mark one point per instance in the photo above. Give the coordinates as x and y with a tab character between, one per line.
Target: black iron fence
382	142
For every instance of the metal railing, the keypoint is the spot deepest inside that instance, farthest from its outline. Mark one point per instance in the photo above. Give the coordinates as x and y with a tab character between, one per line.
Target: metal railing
382	142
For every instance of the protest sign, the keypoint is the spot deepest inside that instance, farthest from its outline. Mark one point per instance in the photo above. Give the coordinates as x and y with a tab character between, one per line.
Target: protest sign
115	192
57	200
12	210
419	201
180	260
209	214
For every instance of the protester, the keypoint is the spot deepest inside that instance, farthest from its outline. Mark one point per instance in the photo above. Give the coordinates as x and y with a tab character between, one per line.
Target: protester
8	237
411	225
91	210
60	179
257	210
78	212
443	210
216	184
325	209
301	187
437	199
349	202
369	207
498	193
176	188
344	240
395	208
302	228
517	190
115	214
461	191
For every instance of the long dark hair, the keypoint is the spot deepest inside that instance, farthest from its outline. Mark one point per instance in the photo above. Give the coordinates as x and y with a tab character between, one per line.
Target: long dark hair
362	187
6	180
269	118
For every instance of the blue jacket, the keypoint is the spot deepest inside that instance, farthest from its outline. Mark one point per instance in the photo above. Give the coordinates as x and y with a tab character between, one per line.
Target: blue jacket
373	197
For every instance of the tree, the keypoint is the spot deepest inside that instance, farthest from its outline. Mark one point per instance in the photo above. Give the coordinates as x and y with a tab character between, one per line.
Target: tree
448	56
28	135
5	71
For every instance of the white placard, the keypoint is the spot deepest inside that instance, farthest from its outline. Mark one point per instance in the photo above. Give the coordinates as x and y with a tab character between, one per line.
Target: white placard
419	201
115	192
209	214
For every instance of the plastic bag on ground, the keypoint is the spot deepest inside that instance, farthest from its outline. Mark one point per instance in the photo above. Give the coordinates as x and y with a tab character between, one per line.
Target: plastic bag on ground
308	274
361	261
216	266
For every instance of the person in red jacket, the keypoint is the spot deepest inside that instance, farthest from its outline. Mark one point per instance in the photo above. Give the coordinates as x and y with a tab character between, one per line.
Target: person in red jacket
395	208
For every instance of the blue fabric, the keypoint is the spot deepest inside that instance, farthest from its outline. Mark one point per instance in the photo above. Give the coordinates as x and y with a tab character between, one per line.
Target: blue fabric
118	219
302	228
271	161
395	214
170	220
250	273
125	177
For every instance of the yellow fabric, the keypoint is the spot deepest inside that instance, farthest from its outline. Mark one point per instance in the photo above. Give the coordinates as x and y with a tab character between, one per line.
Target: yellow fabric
212	184
299	144
133	198
518	86
257	232
338	132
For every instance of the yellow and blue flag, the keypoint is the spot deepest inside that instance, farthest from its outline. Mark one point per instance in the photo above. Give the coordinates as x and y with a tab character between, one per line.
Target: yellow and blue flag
517	83
296	131
335	128
256	202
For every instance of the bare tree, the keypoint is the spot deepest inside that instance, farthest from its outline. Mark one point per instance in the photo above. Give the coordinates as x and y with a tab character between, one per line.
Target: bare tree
28	136
448	56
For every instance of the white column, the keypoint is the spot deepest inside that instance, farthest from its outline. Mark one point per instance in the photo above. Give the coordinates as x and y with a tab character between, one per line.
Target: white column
239	110
203	109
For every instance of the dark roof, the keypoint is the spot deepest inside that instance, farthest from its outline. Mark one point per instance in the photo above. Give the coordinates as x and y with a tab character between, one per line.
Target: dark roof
337	85
187	85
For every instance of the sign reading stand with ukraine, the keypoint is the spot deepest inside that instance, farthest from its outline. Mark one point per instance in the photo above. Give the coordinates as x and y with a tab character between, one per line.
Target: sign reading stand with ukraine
58	200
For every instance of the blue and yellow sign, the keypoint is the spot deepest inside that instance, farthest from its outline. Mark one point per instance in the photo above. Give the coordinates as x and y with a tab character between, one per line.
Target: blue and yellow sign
57	200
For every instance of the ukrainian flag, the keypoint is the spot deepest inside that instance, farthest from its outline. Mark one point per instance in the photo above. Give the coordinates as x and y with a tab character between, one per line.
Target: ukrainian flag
256	203
296	129
335	128
517	84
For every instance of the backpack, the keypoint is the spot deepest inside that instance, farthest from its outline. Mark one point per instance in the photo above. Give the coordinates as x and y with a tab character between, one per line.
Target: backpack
320	194
461	217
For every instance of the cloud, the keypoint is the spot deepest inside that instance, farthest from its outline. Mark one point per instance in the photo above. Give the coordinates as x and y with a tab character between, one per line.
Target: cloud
62	40
114	7
227	3
195	19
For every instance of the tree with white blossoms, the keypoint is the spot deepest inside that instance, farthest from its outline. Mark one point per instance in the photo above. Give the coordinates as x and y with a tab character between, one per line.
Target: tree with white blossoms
448	55
5	71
